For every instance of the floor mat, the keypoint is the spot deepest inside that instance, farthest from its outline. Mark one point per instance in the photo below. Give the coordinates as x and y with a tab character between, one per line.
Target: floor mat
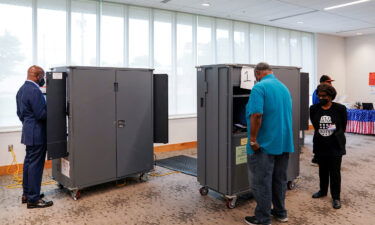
182	163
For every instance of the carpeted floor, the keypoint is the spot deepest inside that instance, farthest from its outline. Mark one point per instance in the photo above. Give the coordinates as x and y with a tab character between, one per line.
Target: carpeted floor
175	199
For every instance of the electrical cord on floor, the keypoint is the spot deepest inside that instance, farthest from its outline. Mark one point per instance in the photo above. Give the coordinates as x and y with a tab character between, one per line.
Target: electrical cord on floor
17	179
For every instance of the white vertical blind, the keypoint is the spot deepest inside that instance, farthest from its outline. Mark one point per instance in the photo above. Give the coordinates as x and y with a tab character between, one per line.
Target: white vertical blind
51	38
224	47
205	42
83	32
256	43
139	37
186	73
283	47
170	42
241	43
271	47
112	35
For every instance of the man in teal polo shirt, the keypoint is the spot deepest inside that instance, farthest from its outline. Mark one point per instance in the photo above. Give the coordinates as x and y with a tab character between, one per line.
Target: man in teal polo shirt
269	122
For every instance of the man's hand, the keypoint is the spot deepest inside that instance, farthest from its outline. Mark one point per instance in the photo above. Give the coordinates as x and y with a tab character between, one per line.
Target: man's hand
255	146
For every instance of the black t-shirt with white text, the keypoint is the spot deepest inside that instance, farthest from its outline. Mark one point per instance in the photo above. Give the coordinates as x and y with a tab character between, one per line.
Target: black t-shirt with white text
325	141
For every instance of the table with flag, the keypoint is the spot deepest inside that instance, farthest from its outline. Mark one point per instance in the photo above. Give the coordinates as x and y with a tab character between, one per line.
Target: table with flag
361	121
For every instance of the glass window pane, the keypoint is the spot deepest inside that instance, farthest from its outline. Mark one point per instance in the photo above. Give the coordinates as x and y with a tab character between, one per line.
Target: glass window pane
112	35
271	45
295	48
241	43
15	55
163	52
139	37
205	49
51	33
83	51
186	84
283	47
308	59
256	43
224	41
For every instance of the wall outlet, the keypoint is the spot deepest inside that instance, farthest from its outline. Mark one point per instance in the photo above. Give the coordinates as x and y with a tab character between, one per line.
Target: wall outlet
10	148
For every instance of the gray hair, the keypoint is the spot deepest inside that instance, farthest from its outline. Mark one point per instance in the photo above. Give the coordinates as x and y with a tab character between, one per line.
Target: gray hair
262	66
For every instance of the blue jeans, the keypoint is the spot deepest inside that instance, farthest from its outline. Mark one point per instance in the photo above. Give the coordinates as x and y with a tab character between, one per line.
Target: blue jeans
32	171
268	181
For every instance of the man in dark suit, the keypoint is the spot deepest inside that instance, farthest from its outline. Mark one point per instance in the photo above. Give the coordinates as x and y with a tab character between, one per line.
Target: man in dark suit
32	111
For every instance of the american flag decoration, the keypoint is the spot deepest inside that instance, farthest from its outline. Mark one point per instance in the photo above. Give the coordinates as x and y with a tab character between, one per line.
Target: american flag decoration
361	121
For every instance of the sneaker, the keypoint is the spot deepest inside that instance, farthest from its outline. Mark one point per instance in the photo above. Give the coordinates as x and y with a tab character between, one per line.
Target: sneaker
336	204
282	219
252	220
319	194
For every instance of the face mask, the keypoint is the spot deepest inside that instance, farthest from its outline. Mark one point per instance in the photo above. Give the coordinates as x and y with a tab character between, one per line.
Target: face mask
41	82
323	101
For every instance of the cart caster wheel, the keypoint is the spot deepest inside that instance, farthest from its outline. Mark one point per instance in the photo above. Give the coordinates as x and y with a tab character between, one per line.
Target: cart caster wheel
60	186
231	203
291	185
143	177
203	191
76	195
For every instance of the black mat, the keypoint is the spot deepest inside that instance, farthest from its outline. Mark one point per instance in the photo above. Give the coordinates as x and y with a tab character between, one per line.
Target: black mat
181	163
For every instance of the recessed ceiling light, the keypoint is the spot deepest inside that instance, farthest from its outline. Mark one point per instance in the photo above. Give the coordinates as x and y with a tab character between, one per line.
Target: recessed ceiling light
206	4
300	22
346	4
359	33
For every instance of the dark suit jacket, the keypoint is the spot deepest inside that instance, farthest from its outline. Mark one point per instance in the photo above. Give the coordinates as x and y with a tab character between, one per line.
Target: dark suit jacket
32	111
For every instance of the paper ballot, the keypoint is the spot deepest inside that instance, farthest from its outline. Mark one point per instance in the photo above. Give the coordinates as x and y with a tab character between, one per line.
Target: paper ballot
247	78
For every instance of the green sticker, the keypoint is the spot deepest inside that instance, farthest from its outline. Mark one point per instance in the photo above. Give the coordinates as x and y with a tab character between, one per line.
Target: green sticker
241	155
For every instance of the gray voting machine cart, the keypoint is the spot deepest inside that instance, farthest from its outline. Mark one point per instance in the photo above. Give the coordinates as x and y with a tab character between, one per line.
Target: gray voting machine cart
102	123
222	137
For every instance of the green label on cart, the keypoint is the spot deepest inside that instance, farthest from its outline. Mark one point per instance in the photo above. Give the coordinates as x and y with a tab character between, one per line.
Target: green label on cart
241	156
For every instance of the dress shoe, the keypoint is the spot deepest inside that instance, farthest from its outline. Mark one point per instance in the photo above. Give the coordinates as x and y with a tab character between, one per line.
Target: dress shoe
336	204
39	204
24	198
319	194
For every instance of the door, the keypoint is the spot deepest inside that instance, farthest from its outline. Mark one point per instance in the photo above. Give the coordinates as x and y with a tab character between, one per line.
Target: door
93	132
56	115
134	115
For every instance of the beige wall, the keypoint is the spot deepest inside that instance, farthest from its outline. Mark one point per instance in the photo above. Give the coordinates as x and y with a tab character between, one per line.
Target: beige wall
330	55
360	60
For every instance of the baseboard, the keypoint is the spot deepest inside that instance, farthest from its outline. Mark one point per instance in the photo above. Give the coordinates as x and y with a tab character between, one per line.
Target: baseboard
3	169
157	149
175	147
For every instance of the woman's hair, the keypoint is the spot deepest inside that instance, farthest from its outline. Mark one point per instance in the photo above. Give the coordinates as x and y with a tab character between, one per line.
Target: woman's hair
328	89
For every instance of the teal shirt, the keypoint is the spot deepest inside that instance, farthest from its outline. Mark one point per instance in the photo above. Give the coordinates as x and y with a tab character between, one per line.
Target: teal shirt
271	98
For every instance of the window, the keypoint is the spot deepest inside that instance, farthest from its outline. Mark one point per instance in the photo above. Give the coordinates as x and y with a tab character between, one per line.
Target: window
83	51
163	53
224	52
256	43
186	74
112	35
270	38
241	43
295	49
139	37
73	32
51	36
205	41
15	55
283	47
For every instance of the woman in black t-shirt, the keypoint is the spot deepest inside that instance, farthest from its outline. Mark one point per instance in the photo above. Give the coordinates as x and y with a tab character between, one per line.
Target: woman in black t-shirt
329	120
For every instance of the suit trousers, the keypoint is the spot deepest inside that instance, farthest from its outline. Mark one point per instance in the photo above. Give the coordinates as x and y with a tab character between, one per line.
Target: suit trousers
32	171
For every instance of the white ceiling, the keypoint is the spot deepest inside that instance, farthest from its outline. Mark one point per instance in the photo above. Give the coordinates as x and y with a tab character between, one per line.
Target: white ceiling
346	21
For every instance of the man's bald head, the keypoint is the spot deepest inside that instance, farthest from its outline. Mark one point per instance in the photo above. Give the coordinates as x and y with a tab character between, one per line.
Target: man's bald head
35	73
